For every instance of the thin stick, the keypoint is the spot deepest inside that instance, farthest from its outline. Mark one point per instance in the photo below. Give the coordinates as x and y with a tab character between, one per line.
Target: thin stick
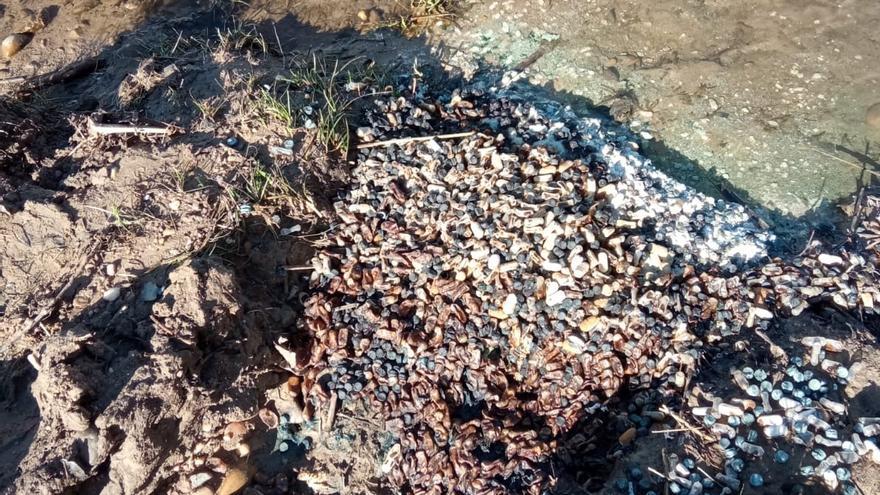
684	424
107	129
656	473
704	472
399	141
299	268
49	308
542	50
857	211
61	75
851	164
331	413
671	430
13	80
667	469
778	352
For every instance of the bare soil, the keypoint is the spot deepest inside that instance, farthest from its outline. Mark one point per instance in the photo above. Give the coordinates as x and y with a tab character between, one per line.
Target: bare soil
140	302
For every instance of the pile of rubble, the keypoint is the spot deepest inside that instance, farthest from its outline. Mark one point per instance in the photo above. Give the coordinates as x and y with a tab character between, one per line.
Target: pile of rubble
791	414
485	292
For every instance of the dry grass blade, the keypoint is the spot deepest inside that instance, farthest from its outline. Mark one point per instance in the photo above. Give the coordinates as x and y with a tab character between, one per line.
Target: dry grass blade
399	141
684	424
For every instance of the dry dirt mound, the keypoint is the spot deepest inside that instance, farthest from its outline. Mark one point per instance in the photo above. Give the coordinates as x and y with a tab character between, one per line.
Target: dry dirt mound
112	408
143	278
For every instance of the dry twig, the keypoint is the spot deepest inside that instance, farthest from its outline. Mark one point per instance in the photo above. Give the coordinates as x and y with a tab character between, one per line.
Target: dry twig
417	139
107	129
684	424
61	75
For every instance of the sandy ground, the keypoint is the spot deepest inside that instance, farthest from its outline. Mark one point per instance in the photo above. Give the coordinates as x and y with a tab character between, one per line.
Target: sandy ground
744	101
747	96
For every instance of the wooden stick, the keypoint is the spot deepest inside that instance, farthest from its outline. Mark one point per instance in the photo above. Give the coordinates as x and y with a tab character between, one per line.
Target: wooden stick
61	75
684	424
399	141
775	350
49	308
666	468
671	430
542	50
657	473
331	413
13	80
107	129
304	268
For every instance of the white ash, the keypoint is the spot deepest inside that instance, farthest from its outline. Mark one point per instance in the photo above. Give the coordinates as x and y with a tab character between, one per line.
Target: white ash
700	228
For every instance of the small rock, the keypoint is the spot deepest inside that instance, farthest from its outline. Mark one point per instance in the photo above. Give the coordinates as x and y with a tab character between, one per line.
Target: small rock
74	469
76	419
756	480
509	304
628	436
150	292
872	116
199	479
762	313
830	259
680	379
111	294
493	262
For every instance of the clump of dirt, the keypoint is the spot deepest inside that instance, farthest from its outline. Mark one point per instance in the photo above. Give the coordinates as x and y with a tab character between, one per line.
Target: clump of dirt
20	130
123	393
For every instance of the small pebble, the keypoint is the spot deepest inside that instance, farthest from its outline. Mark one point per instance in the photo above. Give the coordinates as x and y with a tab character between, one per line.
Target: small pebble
756	480
150	292
198	479
112	294
781	457
872	116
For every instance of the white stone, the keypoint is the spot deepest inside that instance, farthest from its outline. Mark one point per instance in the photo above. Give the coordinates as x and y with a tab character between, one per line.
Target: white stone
112	294
493	262
509	305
